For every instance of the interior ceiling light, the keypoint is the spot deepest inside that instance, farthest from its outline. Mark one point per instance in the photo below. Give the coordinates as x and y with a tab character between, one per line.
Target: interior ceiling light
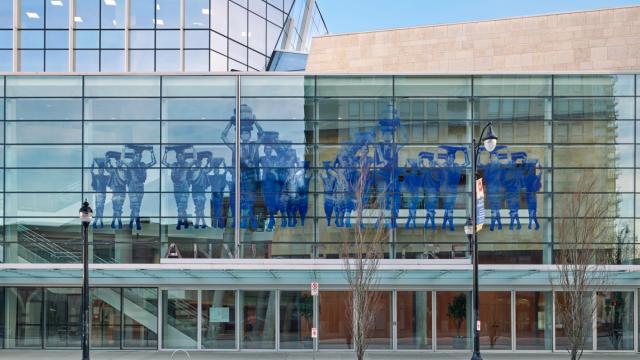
110	2
32	15
57	3
205	11
77	19
157	6
159	22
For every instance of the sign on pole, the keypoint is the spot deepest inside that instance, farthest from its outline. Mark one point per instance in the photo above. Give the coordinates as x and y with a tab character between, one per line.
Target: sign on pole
314	332
480	213
314	288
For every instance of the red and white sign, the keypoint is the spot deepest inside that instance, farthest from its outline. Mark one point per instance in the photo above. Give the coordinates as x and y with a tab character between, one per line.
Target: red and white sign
314	333
478	328
314	288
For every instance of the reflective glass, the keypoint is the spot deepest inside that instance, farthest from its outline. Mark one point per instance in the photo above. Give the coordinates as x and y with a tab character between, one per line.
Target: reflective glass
112	61
597	156
593	85
122	109
6	14
167	60
258	7
512	109
120	86
296	319
6	60
583	319
140	309
512	86
31	60
237	27
193	132
6	39
141	60
63	317
31	39
218	319
44	109
196	14
198	109
593	132
142	14
592	108
277	86
334	320
196	60
258	31
27	316
106	317
432	86
219	43
219	16
57	14
87	60
354	86
258	319
87	39
167	39
452	311
44	86
113	132
34	132
179	319
615	320
495	312
534	320
31	179
43	204
31	14
238	52
199	86
112	39
196	39
275	15
87	13
57	39
57	61
168	14
112	14
141	39
414	320
43	156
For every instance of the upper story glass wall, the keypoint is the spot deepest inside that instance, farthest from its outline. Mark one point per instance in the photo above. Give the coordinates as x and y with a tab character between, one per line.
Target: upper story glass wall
161	162
149	35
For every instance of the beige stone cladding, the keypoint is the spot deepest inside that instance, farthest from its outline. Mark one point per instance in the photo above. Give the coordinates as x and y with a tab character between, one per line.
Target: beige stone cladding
607	39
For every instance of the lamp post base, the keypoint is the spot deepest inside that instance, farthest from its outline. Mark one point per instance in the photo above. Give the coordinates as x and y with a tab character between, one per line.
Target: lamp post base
476	356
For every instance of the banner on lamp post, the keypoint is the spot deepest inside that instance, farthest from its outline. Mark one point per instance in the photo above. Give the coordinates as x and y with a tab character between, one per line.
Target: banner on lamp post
480	212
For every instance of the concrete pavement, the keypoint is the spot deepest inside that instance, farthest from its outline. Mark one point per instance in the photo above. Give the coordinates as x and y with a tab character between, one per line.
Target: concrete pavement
200	355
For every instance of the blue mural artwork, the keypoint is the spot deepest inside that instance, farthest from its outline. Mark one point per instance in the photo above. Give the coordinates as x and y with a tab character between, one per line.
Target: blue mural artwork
274	176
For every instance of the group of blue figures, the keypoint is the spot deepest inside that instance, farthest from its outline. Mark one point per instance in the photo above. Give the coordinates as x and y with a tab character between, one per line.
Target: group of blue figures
271	167
124	173
430	181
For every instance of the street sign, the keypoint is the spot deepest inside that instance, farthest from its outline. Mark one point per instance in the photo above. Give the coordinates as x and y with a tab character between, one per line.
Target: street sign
314	288
478	327
314	332
480	213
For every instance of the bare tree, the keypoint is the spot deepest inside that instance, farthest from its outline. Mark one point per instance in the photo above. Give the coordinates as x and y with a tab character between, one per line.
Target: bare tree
582	232
362	251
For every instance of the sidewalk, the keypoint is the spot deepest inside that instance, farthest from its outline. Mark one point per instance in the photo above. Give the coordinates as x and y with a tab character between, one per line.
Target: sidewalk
195	355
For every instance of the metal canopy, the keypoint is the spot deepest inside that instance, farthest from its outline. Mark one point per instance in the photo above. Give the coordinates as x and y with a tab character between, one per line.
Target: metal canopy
299	273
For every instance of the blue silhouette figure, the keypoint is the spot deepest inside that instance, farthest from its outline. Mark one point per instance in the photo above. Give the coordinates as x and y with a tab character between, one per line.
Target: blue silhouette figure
386	164
341	188
271	186
99	183
136	177
218	182
532	184
328	183
451	179
180	178
249	163
411	184
358	163
494	179
199	184
284	161
118	184
432	180
290	187
302	178
513	183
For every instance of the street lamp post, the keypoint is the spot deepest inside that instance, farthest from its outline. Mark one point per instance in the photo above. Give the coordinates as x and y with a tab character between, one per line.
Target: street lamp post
489	141
86	214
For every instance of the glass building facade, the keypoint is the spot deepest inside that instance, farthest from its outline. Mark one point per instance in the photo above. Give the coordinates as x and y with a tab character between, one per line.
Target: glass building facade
172	180
152	35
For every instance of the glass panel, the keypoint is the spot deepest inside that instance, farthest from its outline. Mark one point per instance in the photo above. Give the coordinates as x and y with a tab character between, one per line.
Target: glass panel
380	336
432	86
87	14
167	39
196	39
452	328
105	317
31	60
57	14
140	308
113	132
198	86
237	27
605	108
112	39
495	313
593	85
87	39
31	180
593	132
414	320
277	86
167	60
49	86
31	39
354	86
6	14
180	318
579	310
615	320
43	156
24	305
605	180
6	60
121	86
335	320
44	109
219	16
122	109
198	109
31	14
512	86
6	39
258	319
168	14
196	14
141	39
57	61
142	14
112	14
597	156
141	60
534	320
87	60
196	60
296	320
63	307
511	109
112	61
258	31
218	319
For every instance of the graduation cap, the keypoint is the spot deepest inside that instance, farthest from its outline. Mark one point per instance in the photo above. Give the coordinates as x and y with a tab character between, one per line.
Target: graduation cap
502	156
113	154
443	156
138	147
204	155
426	155
452	149
518	155
246	125
101	162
